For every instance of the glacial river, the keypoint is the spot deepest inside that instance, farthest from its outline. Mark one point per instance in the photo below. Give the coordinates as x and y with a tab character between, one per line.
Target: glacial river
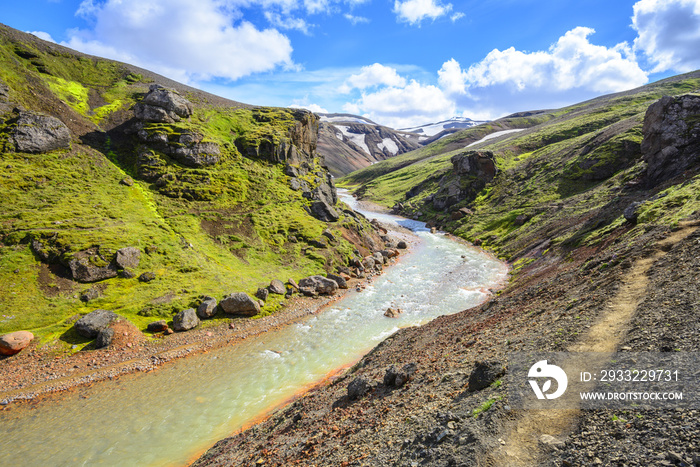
170	416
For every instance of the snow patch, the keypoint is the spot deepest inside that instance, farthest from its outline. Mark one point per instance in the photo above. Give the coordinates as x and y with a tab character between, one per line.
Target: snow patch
389	144
494	135
358	139
433	129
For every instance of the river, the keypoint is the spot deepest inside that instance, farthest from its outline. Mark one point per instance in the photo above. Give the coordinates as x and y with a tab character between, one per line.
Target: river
170	416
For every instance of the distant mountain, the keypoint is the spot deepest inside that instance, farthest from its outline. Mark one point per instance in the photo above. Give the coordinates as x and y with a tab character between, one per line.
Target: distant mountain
433	131
350	142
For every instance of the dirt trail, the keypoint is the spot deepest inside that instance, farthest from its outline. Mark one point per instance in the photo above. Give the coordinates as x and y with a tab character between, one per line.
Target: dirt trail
522	444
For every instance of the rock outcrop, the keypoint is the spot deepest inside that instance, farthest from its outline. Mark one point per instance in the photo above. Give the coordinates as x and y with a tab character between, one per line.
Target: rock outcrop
318	285
163	105
671	132
472	170
36	133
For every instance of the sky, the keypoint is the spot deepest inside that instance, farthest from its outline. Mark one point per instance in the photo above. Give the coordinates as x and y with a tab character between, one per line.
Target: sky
400	63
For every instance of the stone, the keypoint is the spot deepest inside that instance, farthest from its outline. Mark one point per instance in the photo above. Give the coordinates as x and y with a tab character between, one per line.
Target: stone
293	283
240	303
36	133
147	276
631	212
104	338
90	294
323	211
484	374
126	274
319	284
549	440
127	257
207	308
393	312
521	220
185	320
471	171
342	283
127	181
157	326
83	270
262	293
91	324
277	287
192	152
163	105
357	388
15	342
401	245
397	378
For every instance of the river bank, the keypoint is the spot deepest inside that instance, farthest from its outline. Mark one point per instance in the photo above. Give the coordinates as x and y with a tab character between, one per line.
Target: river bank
38	371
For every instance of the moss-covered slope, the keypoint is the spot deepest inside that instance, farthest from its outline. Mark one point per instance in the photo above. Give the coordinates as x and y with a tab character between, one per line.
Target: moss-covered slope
568	176
203	229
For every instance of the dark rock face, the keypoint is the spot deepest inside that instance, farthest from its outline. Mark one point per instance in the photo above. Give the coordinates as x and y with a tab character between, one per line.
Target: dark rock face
157	326
671	132
318	285
323	211
484	374
397	378
207	308
37	133
472	170
83	270
188	149
357	388
127	257
163	106
630	213
240	303
104	338
185	320
342	283
91	324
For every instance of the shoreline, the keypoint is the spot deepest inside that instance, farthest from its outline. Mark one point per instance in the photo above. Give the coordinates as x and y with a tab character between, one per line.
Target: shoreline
35	374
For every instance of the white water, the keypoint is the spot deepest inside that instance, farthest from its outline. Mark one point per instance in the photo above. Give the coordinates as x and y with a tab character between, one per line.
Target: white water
169	416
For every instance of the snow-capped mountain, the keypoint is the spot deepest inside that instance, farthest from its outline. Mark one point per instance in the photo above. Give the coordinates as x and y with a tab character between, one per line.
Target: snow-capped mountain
453	124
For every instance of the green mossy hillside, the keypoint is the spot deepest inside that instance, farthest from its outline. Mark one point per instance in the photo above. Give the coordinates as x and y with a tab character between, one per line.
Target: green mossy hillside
567	179
231	226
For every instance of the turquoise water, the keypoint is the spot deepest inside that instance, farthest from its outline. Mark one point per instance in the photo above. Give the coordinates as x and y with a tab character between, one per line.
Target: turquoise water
169	416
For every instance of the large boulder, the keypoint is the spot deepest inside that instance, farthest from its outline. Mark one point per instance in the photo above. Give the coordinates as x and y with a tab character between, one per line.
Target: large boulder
163	105
83	270
277	287
318	285
207	308
671	132
128	257
91	324
484	374
471	171
185	320
194	152
15	342
342	283
240	303
38	133
323	211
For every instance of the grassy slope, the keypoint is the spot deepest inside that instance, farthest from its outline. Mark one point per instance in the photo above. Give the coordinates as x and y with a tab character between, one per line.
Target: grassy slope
546	174
233	239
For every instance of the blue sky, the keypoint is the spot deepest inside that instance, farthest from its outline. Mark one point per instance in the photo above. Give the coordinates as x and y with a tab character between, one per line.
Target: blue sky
398	62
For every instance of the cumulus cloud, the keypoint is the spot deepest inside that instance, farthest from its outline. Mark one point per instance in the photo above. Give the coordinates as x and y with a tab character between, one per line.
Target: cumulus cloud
287	22
371	76
185	39
668	33
415	11
355	19
572	69
42	35
312	107
402	107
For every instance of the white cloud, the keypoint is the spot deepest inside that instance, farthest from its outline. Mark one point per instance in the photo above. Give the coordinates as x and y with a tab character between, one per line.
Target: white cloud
373	75
668	33
572	69
287	22
190	39
356	19
42	35
312	107
401	107
415	11
457	16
